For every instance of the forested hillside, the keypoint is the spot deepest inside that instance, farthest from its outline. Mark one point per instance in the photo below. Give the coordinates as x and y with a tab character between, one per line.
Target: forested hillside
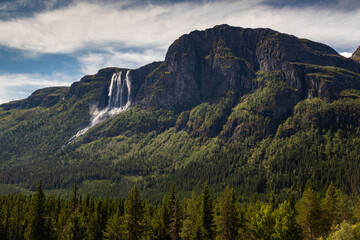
254	109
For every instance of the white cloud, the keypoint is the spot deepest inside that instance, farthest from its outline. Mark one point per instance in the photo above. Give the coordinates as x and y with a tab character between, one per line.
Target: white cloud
83	25
346	54
18	86
92	62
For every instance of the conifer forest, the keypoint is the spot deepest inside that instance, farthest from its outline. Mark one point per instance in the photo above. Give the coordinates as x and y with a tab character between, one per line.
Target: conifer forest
201	216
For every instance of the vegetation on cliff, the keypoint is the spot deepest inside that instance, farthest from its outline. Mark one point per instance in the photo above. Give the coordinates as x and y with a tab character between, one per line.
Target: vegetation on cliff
250	108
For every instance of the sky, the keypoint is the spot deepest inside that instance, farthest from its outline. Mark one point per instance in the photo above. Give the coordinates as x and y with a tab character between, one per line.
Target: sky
55	42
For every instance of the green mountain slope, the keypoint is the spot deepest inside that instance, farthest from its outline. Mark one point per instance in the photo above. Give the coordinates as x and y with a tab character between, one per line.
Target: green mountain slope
252	108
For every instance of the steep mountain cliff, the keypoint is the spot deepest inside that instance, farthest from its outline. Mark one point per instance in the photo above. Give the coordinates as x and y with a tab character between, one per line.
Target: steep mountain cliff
253	108
203	65
356	55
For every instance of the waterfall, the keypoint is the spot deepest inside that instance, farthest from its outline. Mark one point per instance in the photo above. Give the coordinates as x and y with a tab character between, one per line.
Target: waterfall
119	101
119	92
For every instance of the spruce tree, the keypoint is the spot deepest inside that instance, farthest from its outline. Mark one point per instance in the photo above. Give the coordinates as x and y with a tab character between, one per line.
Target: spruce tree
36	229
74	199
285	223
75	228
273	201
206	218
227	222
114	230
310	213
333	208
263	222
95	222
2	221
174	224
190	209
161	221
17	221
133	215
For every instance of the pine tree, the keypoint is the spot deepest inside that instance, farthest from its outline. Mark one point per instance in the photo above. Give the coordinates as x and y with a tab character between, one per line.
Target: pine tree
250	211
75	228
344	231
227	222
36	227
2	220
273	201
285	223
133	215
17	219
51	217
174	224
190	210
161	221
310	213
95	222
114	230
74	199
333	208
206	218
263	223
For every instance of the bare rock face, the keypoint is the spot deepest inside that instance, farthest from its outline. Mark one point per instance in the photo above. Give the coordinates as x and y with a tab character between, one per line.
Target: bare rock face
203	65
96	87
356	55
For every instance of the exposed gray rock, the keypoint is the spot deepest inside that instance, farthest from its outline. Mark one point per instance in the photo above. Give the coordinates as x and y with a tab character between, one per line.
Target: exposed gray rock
356	55
203	65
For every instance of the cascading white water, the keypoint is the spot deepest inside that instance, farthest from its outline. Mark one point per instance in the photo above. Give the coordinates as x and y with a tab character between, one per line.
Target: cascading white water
119	101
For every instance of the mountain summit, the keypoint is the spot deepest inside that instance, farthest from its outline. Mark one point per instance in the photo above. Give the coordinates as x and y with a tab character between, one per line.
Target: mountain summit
203	65
253	108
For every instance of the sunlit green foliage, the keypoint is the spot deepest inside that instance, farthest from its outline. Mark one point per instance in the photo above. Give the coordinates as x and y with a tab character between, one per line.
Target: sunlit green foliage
257	141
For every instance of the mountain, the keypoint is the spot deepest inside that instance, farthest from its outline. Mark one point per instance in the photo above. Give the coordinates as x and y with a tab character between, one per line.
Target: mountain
356	54
46	97
253	108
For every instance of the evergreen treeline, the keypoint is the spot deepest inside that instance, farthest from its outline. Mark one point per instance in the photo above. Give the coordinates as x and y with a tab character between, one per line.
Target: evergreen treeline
199	217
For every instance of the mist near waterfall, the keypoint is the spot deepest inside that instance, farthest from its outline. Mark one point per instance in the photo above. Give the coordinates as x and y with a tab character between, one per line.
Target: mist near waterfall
119	101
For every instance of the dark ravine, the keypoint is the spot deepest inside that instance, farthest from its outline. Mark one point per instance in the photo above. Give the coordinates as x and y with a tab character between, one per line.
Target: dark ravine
234	102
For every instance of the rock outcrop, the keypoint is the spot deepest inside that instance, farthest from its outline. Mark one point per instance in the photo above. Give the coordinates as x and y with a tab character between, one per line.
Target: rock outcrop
253	108
203	65
98	84
356	55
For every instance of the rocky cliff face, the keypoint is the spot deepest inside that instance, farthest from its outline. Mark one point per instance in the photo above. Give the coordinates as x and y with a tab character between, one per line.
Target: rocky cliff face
356	55
253	107
203	65
98	84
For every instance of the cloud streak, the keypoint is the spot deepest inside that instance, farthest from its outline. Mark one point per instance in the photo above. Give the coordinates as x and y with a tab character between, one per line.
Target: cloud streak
92	62
84	25
130	34
16	86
